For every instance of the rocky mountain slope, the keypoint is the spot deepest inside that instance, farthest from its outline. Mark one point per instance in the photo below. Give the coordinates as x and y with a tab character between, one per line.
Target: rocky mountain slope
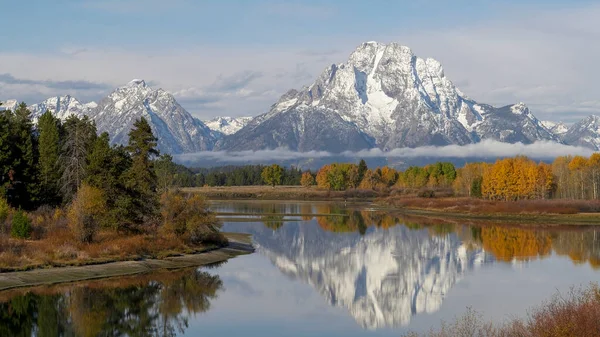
584	133
556	128
62	107
383	96
176	129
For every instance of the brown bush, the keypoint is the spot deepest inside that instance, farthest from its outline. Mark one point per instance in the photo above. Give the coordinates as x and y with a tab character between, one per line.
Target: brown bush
187	216
577	314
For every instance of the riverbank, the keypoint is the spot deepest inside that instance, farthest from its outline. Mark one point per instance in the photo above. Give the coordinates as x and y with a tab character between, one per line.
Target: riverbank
550	212
282	193
239	244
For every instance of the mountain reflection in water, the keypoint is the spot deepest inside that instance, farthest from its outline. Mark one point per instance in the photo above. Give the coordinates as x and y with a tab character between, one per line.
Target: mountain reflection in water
148	305
383	268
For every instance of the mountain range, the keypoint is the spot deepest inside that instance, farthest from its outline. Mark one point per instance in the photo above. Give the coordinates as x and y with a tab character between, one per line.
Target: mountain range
383	97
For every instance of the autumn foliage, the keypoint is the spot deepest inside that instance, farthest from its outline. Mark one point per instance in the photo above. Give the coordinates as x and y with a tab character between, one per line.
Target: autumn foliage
307	179
87	212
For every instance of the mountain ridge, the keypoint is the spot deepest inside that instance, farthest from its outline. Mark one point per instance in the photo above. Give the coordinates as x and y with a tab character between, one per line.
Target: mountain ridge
382	96
391	96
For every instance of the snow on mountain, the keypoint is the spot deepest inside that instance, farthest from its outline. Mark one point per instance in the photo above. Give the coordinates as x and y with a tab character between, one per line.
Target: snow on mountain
10	104
382	278
61	106
389	98
556	128
584	133
177	131
227	125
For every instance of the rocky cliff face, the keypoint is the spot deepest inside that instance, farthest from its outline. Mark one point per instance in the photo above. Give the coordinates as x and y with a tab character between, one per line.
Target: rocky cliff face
584	133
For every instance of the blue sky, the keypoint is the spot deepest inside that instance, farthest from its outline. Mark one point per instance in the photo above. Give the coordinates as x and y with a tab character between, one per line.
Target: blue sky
237	57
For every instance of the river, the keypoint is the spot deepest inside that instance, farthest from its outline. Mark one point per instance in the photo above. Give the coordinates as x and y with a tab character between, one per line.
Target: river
324	269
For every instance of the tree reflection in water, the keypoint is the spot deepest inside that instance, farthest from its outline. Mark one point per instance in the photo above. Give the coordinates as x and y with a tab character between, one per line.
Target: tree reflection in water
148	305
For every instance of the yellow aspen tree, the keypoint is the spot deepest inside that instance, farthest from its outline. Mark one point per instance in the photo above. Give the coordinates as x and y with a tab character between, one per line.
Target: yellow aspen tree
578	165
593	164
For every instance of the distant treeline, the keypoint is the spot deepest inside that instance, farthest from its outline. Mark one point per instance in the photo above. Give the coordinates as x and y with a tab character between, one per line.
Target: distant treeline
248	175
516	178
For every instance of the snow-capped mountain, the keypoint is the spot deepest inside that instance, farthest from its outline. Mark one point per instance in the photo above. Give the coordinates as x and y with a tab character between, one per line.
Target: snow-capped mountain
176	130
382	278
227	125
556	128
383	96
10	104
62	107
584	133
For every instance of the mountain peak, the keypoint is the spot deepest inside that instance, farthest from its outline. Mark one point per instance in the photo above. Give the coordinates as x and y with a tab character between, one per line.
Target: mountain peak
136	83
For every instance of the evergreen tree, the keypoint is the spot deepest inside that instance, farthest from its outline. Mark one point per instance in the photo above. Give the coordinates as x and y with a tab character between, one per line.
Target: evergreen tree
24	187
106	165
49	146
362	169
6	148
140	179
80	134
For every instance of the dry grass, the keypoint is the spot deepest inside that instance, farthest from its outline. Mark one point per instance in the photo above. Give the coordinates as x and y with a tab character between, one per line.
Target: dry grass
576	314
480	206
283	193
60	248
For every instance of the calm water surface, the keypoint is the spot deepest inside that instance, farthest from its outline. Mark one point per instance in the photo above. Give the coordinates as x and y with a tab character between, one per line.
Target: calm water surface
323	269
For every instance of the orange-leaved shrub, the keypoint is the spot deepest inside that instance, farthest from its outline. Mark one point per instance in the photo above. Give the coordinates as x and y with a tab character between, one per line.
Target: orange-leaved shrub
307	179
86	212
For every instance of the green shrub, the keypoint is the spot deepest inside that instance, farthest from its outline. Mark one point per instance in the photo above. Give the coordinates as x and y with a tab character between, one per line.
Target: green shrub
21	226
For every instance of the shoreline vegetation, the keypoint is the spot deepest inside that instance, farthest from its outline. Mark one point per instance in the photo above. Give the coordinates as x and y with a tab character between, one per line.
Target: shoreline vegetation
546	211
239	244
69	198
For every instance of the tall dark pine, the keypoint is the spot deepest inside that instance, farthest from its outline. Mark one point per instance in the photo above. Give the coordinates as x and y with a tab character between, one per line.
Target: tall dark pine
362	169
22	187
5	151
140	178
49	152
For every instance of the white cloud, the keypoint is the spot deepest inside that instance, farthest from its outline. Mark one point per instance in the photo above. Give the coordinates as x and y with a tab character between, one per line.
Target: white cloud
485	149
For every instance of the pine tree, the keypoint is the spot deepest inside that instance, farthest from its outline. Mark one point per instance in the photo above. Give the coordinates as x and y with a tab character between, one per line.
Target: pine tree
49	146
362	169
106	165
23	167
140	179
6	154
